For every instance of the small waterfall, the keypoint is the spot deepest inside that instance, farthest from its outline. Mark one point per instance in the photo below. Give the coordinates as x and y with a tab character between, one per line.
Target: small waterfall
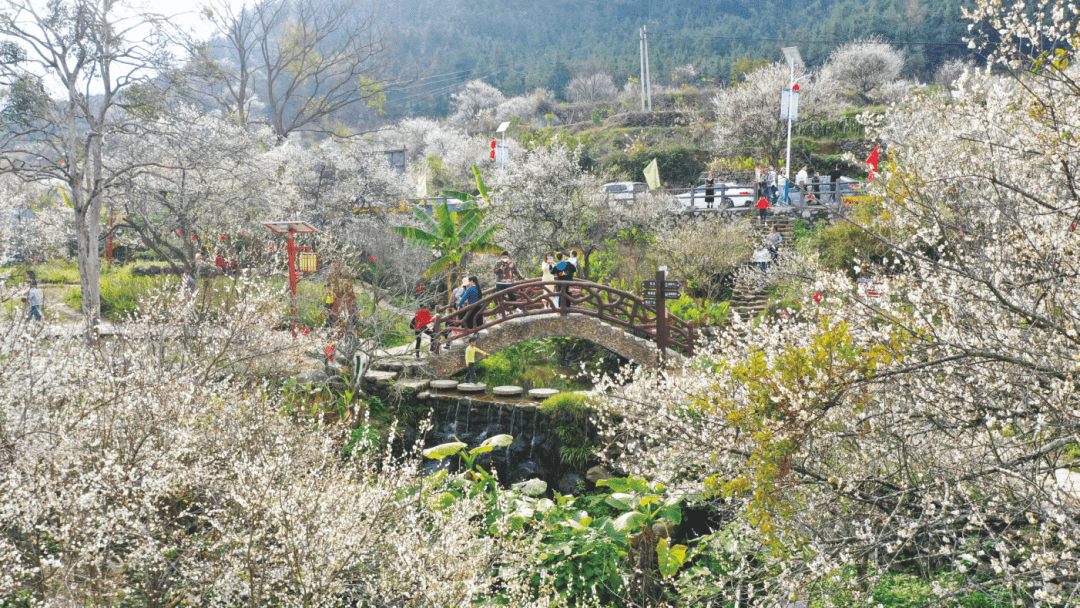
468	413
499	421
487	429
512	412
533	440
457	414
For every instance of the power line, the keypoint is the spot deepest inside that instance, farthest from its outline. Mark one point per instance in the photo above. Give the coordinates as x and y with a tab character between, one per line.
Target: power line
799	40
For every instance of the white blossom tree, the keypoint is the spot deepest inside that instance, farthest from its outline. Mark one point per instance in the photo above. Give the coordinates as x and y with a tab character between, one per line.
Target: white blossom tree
864	65
748	114
475	100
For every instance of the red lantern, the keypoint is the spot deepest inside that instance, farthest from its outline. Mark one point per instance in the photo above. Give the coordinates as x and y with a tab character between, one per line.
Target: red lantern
223	237
372	258
179	233
817	297
795	87
194	238
494	144
271	246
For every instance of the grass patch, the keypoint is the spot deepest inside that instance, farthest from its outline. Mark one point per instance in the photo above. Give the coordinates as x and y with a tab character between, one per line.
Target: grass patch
569	414
120	293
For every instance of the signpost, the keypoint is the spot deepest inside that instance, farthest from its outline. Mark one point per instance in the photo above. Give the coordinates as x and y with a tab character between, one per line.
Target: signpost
655	293
292	228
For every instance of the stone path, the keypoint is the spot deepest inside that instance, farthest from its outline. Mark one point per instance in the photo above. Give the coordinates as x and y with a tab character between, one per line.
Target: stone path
751	294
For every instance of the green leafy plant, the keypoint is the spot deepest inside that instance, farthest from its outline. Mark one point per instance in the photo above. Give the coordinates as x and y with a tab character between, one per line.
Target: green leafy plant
711	313
569	415
649	518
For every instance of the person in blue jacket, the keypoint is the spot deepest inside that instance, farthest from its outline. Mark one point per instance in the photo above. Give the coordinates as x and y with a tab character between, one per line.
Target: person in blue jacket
473	294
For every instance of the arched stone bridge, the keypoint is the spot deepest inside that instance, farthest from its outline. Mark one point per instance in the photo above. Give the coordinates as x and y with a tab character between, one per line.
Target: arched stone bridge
608	317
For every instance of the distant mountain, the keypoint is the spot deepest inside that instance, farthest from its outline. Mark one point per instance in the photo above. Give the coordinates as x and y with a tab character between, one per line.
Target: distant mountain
520	45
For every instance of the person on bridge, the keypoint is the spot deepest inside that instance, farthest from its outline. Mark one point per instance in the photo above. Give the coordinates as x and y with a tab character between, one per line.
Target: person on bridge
470	360
472	296
460	290
710	190
505	271
565	271
546	272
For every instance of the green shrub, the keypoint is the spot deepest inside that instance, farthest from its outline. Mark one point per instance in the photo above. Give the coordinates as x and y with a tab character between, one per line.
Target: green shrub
569	415
499	370
679	166
801	231
841	244
708	313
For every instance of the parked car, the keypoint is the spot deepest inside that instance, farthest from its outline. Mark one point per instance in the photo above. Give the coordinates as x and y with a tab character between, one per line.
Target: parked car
725	196
454	204
624	191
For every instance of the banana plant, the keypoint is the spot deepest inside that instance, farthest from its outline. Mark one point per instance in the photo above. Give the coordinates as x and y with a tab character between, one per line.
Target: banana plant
452	235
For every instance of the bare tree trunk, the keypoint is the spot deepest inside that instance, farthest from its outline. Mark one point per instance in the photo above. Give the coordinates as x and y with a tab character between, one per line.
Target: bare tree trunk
87	233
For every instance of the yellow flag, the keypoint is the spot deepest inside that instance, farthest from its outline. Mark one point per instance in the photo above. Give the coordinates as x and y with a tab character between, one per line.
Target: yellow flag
421	186
652	176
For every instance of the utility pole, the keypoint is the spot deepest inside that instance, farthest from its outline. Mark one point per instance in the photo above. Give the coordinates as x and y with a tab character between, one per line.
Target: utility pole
648	79
641	52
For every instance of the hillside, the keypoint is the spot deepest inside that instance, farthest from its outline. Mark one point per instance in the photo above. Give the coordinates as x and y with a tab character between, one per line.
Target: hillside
518	47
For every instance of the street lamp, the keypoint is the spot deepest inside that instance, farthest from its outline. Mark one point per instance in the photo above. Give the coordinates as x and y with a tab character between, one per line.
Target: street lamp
292	228
789	107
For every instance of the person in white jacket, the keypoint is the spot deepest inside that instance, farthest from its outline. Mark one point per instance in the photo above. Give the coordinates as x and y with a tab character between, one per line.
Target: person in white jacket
801	179
761	259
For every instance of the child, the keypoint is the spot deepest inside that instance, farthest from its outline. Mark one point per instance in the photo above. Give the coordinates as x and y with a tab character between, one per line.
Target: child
470	360
33	299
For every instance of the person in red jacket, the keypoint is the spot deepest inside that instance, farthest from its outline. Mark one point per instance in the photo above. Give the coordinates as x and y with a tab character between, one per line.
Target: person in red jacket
762	207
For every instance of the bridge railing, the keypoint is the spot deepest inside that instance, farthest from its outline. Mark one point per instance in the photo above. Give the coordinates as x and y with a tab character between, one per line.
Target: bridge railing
535	297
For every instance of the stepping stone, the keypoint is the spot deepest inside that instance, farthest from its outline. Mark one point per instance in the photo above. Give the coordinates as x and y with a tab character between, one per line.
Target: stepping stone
443	385
526	407
389	365
507	390
543	393
412	385
423	395
380	378
468	387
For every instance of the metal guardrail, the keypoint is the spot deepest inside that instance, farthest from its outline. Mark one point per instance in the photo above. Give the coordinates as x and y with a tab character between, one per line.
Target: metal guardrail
693	198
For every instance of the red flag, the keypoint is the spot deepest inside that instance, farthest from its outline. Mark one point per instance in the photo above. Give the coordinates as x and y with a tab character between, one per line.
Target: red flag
872	160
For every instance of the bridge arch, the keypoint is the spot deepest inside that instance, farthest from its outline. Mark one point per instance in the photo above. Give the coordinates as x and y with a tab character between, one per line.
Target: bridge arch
573	325
609	317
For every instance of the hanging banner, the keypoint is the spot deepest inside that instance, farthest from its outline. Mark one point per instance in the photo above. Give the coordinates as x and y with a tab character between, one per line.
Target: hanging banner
789	105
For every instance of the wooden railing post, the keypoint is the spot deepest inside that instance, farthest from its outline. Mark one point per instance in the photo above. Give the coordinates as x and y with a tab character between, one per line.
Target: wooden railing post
435	340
